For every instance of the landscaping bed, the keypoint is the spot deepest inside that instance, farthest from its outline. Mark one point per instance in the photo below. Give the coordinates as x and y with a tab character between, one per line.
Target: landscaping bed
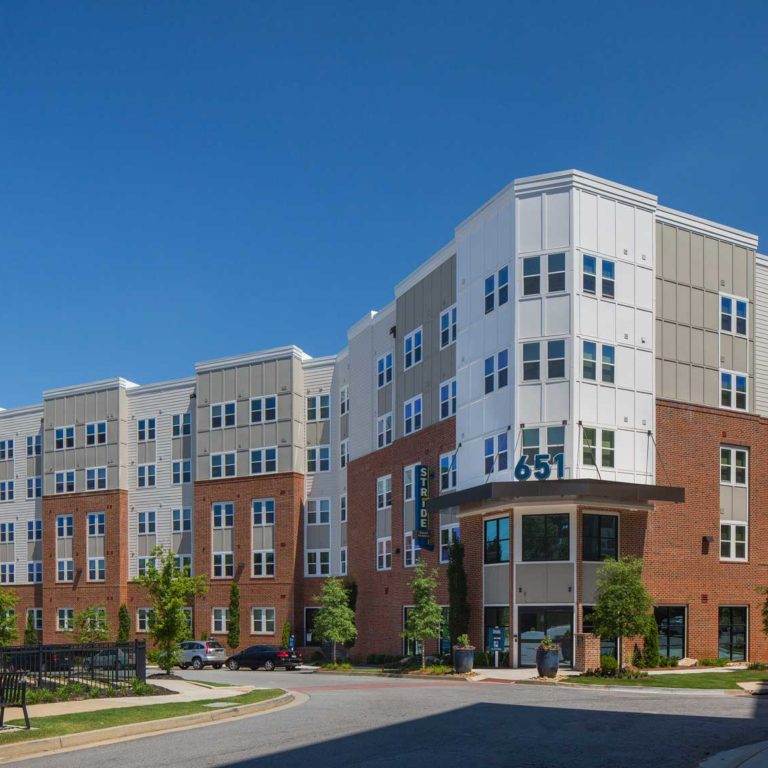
81	691
700	681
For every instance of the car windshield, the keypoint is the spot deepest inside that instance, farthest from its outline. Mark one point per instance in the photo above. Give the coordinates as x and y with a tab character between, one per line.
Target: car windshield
216	646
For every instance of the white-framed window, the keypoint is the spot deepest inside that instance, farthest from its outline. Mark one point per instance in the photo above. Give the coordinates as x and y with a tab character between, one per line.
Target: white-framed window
556	359
448	399
264	409
556	441
96	433
64	437
96	523
6	490
223	565
223	464
318	511
146	429
144	564
65	619
733	315
344	400
6	450
531	361
223	514
384	553
412	415
448	327
181	425
147	523
263	511
733	465
605	450
263	621
733	541
37	618
97	569
343	561
384	492
608	370
319	459
589	362
181	520
65	569
448	471
496	371
317	562
183	563
34	445
448	534
733	390
65	481
608	282
589	274
7	533
34	530
496	289
7	573
555	272
411	550
384	430
344	453
65	526
34	487
146	475
264	461
532	276
35	571
143	619
263	563
412	349
220	620
318	407
409	483
223	415
181	472
95	478
343	508
496	453
384	370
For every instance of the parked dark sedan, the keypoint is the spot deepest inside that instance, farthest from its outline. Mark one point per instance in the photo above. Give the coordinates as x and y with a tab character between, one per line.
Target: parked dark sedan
267	656
46	658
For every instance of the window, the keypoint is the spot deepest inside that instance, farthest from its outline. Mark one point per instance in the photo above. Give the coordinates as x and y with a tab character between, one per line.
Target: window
344	400
222	415
223	515
7	533
496	546
146	430
411	550
531	361
531	276
144	618
318	562
263	563
343	561
147	523
65	525
263	461
34	487
65	619
96	524
37	618
65	569
728	307
223	565
220	620
556	272
318	511
6	450
34	445
412	415
384	492
609	279
589	360
143	565
95	478
182	520
384	370
65	482
589	274
556	359
183	563
733	466
412	349
733	390
589	448
447	327
264	409
546	537
555	441
263	512
34	530
448	399
530	444
490	293
96	569
448	534
7	573
503	289
343	509
319	459
181	424
384	554
147	475
6	490
607	455
384	430
671	622
96	433
496	371
496	453
223	464
344	453
263	621
448	471
733	541
599	537
732	633
318	407
409	475
64	438
35	571
182	472
609	363
490	374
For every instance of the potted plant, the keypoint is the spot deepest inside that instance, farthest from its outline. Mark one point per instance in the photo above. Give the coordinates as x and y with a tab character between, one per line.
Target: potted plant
463	655
547	657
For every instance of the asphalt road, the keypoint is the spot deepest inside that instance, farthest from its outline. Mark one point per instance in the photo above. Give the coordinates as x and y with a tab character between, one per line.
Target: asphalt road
372	722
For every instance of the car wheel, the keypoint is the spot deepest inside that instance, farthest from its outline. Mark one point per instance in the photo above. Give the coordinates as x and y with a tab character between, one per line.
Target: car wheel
233	665
197	663
217	666
269	666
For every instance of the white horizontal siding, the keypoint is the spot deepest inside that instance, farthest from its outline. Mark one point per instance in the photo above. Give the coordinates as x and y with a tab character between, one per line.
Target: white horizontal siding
761	335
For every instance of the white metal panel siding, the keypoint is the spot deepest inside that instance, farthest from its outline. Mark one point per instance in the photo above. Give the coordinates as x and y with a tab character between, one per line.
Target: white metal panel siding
761	335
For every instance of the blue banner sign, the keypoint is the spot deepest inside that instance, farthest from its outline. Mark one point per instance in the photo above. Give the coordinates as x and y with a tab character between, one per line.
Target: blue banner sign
496	638
422	497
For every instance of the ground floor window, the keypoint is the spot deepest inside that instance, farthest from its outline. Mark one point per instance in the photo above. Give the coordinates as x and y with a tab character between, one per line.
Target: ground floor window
496	616
608	646
732	633
535	623
413	647
309	625
671	622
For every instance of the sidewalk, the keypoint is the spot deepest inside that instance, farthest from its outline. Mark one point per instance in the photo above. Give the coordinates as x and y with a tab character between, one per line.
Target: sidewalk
751	756
509	675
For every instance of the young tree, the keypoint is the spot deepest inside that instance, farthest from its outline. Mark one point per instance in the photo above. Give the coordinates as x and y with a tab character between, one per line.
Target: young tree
335	621
123	624
170	591
30	632
650	656
90	625
426	617
458	602
233	636
285	638
8	602
622	604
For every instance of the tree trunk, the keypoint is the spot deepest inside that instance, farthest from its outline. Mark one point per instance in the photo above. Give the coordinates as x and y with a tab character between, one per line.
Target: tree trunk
333	651
423	654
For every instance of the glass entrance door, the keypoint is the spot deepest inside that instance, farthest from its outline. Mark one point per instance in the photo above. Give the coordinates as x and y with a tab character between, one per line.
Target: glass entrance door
671	621
554	622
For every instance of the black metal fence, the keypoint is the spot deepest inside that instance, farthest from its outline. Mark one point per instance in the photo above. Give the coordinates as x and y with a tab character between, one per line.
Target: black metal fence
95	664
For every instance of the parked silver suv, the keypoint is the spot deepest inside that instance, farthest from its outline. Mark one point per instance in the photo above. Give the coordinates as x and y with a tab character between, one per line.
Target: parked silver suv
199	653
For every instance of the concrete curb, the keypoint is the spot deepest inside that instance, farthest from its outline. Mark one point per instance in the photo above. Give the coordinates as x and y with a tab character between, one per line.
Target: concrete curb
717	692
750	756
42	747
399	675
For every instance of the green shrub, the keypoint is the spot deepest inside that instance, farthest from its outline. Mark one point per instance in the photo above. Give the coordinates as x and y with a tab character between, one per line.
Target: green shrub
712	662
608	666
153	656
758	666
482	659
140	688
650	655
435	669
342	665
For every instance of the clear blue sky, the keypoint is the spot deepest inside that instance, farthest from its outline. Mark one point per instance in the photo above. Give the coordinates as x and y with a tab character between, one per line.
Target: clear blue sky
187	180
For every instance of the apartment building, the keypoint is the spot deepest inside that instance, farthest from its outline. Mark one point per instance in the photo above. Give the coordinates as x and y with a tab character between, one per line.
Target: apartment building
580	373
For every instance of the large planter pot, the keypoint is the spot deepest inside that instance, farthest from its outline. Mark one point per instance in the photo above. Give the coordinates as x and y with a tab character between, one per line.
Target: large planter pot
547	662
463	660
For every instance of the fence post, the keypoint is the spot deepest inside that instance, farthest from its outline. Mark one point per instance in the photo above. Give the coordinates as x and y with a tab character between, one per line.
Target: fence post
39	666
141	660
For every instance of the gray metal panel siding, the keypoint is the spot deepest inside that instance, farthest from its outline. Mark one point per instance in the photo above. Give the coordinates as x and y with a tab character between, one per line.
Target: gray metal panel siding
496	584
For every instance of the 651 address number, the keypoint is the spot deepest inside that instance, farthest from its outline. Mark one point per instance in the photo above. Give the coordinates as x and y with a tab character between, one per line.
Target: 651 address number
542	467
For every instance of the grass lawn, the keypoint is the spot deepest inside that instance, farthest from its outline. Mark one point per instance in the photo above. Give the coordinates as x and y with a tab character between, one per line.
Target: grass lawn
60	725
700	680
